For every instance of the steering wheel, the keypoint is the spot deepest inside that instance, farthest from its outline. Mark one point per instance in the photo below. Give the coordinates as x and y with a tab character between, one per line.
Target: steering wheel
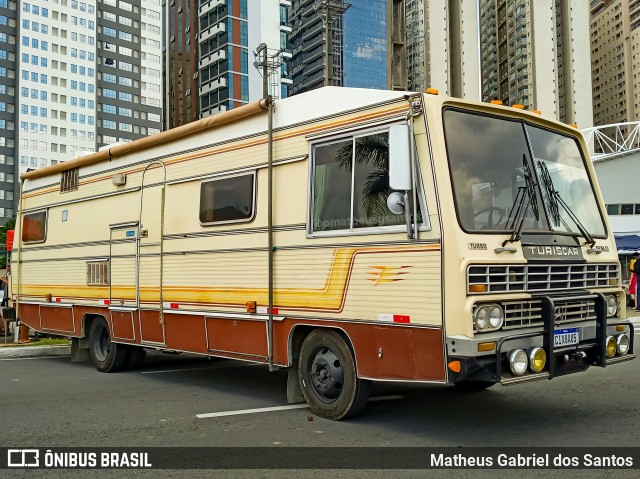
491	210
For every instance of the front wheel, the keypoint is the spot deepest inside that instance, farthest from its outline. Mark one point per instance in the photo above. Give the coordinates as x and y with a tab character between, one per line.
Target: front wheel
106	355
328	376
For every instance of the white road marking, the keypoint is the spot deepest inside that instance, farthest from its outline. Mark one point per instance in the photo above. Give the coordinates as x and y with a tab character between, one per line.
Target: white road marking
251	411
39	357
280	408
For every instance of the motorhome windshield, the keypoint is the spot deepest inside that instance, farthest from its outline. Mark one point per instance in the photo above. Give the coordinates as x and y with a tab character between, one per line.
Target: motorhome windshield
494	162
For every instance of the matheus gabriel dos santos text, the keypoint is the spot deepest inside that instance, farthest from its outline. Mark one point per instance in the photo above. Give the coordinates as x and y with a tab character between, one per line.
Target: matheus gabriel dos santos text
531	461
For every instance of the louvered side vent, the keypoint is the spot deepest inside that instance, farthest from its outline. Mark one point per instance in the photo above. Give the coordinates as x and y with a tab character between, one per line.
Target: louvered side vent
69	180
98	273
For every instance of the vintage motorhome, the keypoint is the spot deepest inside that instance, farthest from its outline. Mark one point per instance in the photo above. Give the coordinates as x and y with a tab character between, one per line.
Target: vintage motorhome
348	235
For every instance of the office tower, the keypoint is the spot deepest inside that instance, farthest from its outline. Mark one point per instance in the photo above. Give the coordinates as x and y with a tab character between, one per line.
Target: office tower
356	52
89	76
535	53
74	76
129	87
210	56
439	45
365	44
615	43
8	135
181	61
434	44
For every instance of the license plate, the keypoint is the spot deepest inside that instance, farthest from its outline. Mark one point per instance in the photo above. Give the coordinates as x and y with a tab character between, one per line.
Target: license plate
565	337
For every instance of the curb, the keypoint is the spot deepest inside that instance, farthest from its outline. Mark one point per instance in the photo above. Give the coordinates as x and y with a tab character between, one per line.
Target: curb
34	351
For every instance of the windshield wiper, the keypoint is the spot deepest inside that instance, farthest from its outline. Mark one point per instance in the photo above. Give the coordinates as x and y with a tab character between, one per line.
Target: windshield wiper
525	197
554	199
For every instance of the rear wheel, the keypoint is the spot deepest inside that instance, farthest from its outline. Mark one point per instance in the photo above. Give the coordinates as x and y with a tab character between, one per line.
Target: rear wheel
328	376
106	355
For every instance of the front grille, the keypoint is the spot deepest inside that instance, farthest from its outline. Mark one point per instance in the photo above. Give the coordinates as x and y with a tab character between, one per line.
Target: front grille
537	278
524	314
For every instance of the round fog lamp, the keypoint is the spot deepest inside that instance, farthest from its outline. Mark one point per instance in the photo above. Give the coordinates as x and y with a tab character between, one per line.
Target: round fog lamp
518	362
611	346
496	317
622	344
537	359
612	306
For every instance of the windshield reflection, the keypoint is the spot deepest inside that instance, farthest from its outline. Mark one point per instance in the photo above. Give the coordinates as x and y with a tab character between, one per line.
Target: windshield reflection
486	162
564	162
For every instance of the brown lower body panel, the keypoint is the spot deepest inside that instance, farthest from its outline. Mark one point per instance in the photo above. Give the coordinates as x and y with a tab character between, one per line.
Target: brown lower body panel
382	351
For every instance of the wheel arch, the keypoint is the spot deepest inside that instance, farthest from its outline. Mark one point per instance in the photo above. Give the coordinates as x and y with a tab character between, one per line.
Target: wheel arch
299	333
87	321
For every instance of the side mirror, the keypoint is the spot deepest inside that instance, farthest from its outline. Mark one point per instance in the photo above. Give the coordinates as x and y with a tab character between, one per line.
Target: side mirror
395	203
399	158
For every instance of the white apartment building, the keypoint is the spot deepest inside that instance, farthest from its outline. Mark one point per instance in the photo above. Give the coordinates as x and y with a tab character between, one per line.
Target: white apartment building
537	54
57	82
441	45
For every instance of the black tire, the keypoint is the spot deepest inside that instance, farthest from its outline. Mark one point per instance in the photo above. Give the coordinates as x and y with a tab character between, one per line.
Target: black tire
473	386
106	356
328	376
136	357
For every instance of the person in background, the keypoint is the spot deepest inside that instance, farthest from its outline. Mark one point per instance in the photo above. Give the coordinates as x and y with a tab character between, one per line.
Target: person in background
633	284
5	278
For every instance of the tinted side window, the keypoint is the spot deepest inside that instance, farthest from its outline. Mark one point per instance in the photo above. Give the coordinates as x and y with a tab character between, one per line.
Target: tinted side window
332	186
227	200
34	227
351	184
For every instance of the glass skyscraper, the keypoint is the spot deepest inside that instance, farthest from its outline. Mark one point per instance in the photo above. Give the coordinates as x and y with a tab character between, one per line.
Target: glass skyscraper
365	44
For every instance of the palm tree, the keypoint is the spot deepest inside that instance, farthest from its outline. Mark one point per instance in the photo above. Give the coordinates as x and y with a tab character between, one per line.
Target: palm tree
371	150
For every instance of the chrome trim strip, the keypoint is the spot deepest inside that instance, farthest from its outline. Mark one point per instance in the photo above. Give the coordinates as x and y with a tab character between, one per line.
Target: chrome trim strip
245	355
240	316
621	359
408	381
335	132
144	342
524	379
244	169
45	303
81	200
128	224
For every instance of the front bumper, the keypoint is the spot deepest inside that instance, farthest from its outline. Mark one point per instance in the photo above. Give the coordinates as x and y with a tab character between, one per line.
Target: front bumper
590	351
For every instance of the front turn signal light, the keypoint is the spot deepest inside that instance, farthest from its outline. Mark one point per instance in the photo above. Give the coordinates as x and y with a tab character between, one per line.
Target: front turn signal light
478	288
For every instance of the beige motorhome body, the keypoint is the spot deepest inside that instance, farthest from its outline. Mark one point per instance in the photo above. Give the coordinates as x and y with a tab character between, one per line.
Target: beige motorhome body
164	243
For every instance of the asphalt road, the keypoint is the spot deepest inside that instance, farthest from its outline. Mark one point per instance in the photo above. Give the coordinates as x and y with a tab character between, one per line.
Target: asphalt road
52	402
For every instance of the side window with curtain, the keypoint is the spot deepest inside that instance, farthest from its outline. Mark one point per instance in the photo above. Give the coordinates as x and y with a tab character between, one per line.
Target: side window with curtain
34	227
350	184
